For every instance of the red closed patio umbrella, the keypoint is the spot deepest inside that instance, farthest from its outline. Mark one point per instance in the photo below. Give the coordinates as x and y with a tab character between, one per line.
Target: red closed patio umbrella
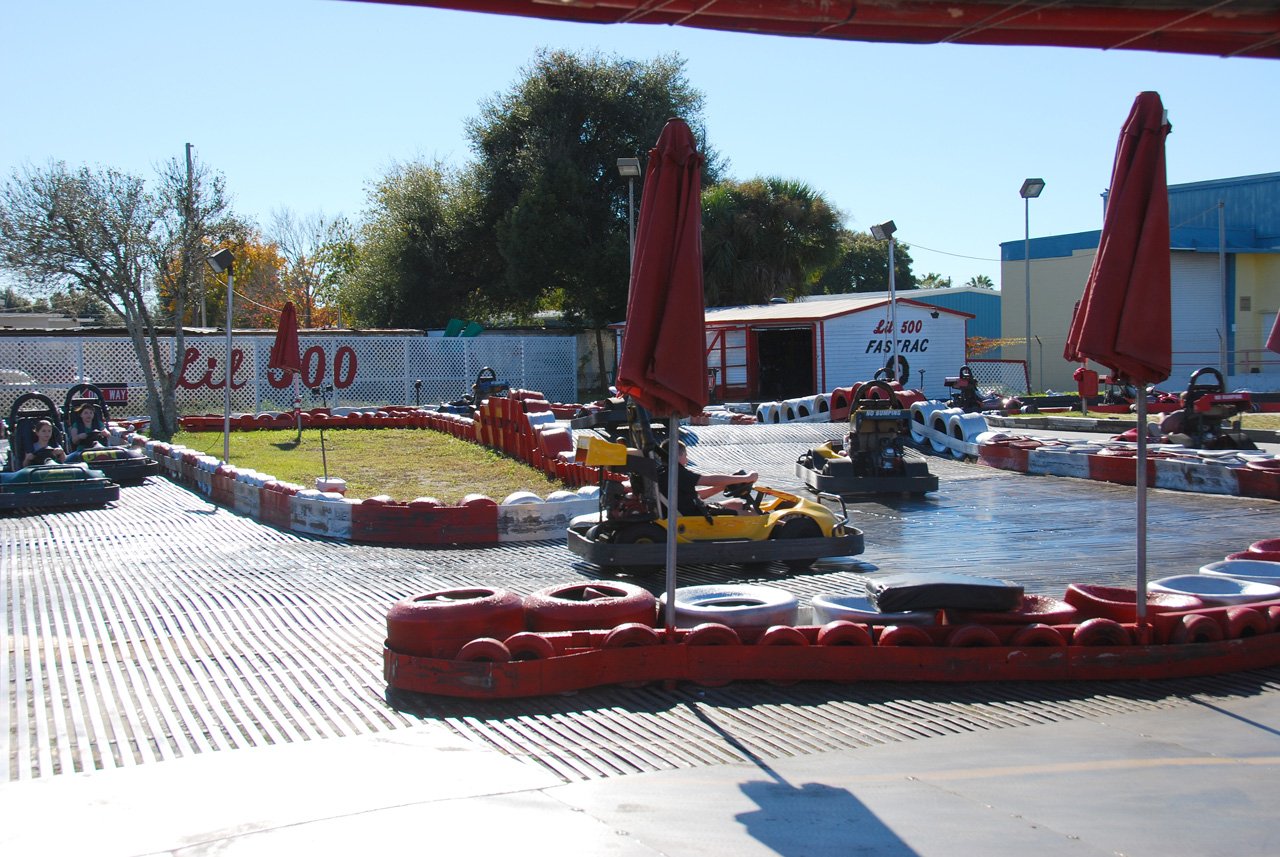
1124	319
663	365
286	357
1273	341
664	362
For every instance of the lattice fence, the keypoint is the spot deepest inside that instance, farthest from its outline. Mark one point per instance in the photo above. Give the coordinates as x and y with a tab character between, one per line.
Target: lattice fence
364	371
1006	377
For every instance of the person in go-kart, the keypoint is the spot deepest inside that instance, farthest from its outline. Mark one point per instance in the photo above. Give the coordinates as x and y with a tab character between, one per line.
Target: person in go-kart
44	450
82	433
693	488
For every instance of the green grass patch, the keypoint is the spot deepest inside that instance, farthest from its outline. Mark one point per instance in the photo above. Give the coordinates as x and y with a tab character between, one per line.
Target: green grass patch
403	463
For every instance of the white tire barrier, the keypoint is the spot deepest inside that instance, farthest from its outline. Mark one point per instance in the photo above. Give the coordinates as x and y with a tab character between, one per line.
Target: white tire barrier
769	413
741	606
822	406
521	498
939	421
922	415
805	408
964	428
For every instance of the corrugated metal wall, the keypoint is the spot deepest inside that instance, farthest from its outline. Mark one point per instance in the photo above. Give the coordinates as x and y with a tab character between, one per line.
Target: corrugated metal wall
1251	203
984	305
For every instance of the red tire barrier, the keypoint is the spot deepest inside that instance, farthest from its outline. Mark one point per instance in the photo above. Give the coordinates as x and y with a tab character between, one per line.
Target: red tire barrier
1035	610
413	624
1120	604
1196	628
1273	619
632	635
527	646
972	637
712	634
629	636
904	635
596	604
486	650
1037	635
782	635
844	633
1101	632
1245	622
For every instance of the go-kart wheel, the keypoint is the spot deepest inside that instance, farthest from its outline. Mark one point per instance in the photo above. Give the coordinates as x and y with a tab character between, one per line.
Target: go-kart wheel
647	533
797	527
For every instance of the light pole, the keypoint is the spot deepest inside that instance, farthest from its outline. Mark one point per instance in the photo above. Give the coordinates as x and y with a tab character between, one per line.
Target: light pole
629	168
224	260
884	232
1030	190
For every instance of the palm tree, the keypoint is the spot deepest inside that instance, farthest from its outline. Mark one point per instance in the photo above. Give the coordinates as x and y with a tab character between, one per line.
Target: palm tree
981	281
765	238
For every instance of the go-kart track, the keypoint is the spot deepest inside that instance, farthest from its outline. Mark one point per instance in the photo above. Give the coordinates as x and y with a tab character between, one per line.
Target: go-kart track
163	626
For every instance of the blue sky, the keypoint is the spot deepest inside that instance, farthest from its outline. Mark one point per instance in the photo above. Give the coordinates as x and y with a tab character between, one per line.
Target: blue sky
301	103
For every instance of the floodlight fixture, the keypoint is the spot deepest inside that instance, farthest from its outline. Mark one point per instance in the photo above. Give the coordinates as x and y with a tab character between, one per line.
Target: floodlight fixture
222	260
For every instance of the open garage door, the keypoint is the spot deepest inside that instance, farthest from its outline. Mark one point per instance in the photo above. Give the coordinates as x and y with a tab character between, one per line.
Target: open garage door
784	363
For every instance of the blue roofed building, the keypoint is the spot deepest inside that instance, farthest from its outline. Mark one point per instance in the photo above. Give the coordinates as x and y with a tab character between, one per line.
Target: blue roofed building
1224	246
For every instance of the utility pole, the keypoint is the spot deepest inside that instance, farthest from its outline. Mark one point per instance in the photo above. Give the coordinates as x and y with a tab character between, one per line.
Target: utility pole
187	266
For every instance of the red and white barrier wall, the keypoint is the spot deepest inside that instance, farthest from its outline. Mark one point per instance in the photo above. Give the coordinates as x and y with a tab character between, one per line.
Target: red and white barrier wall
1238	476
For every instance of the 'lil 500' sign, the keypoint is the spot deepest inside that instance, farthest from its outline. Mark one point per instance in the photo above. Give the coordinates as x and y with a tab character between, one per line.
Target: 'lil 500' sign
314	369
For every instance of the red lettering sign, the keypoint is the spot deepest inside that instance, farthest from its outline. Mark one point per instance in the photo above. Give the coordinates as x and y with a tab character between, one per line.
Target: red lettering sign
192	355
344	367
312	378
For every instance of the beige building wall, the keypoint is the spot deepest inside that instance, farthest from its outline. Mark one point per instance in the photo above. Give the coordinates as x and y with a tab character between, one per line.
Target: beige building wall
1257	303
1056	284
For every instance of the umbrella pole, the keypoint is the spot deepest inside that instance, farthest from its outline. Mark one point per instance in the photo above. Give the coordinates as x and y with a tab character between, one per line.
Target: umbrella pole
1141	482
673	462
297	403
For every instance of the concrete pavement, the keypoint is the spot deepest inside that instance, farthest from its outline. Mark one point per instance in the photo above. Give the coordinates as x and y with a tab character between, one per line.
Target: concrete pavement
1197	778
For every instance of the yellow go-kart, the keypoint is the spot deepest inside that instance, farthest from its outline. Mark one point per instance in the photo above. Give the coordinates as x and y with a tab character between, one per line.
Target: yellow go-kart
630	530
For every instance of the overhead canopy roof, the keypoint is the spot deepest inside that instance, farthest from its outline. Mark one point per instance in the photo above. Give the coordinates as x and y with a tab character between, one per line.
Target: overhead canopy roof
1219	27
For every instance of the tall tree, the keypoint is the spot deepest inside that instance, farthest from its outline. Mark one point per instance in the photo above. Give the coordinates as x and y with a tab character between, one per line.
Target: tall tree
549	228
101	231
306	244
193	210
408	269
863	266
933	280
981	281
765	238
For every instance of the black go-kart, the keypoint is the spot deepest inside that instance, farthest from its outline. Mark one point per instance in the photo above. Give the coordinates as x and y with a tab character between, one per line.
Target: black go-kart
873	458
122	465
43	481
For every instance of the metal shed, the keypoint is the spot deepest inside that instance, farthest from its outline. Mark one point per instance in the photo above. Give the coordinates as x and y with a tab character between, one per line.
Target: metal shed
787	350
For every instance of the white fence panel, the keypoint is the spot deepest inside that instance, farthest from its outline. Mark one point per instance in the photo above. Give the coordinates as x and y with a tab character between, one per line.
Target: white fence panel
364	371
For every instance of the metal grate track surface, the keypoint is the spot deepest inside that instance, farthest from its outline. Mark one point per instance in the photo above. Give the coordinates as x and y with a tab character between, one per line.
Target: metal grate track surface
163	627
